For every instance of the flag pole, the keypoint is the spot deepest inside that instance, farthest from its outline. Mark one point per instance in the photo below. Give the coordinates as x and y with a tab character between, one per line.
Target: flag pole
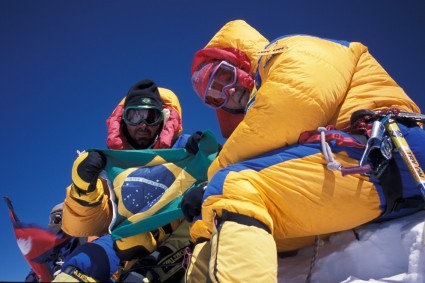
11	210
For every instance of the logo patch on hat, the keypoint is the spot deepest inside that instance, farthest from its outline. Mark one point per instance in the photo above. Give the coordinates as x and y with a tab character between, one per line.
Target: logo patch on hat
146	100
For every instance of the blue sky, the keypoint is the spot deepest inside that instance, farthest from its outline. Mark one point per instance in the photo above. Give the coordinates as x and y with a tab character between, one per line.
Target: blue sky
64	65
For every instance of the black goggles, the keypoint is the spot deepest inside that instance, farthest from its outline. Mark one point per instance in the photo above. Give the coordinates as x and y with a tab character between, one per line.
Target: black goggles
55	219
134	115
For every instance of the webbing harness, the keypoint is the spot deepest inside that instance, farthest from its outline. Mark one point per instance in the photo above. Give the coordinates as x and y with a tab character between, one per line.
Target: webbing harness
316	136
325	135
377	164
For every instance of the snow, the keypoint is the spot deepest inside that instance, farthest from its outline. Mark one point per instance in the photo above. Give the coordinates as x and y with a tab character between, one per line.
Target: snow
392	251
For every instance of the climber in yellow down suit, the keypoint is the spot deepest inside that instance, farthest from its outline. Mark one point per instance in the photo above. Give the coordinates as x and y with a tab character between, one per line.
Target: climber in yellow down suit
270	189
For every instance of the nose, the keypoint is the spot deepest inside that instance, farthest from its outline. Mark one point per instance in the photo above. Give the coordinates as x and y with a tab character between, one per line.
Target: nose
142	125
230	90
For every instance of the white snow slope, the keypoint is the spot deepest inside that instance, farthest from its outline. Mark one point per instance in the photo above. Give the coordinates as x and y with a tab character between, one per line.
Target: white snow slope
392	251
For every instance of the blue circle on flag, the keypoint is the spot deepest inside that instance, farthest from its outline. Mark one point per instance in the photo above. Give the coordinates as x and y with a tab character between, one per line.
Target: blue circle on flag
145	186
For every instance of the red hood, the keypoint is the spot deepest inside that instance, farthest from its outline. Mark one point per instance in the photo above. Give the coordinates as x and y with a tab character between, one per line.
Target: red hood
116	138
227	121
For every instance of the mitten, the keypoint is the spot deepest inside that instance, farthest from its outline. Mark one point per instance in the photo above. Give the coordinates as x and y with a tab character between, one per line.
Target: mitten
85	174
136	246
192	202
192	142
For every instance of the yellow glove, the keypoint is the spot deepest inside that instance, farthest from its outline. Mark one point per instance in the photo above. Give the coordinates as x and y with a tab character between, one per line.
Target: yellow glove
136	246
85	173
141	245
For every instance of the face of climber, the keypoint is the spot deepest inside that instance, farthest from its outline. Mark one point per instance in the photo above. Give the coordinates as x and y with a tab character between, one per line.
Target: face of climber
55	218
224	88
143	124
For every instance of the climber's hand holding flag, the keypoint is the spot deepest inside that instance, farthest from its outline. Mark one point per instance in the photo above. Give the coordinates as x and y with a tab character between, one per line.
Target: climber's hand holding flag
192	202
85	173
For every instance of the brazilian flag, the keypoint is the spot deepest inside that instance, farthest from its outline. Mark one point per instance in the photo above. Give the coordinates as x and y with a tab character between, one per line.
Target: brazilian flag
147	186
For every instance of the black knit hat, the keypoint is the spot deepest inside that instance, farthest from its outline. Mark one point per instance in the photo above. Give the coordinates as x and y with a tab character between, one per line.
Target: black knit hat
144	93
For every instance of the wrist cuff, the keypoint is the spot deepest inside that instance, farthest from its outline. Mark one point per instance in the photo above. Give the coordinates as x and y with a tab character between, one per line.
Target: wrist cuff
88	196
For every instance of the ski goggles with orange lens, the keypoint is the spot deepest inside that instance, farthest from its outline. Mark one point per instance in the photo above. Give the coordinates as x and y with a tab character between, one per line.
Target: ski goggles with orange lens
222	78
134	115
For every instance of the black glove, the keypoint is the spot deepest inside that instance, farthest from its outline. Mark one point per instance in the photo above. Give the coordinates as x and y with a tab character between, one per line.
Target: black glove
192	202
192	142
88	167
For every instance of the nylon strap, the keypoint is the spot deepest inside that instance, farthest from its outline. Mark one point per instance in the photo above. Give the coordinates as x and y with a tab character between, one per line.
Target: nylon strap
241	219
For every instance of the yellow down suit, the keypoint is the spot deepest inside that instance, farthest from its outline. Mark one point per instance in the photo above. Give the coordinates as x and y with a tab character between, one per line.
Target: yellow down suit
266	192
